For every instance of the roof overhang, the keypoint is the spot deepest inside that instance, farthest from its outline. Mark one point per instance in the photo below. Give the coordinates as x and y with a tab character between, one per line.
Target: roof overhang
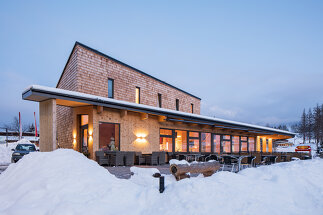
75	99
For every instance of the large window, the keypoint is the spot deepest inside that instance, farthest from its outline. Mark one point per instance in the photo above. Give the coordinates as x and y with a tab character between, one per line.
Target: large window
194	142
110	88
217	143
180	141
159	100
251	141
166	140
235	143
244	144
109	136
137	95
205	142
226	144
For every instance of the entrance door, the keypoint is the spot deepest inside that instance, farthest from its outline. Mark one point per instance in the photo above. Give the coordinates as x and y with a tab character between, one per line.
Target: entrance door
84	123
84	139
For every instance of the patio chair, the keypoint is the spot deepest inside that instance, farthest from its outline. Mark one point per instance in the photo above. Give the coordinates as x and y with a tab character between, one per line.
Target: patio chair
229	163
101	158
162	158
211	157
130	158
152	159
116	158
139	159
247	162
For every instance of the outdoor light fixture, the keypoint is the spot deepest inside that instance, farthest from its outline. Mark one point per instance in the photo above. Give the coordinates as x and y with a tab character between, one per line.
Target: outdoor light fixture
74	139
90	133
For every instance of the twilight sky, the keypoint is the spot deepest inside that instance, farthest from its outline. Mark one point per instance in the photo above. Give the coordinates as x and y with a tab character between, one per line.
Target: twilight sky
251	61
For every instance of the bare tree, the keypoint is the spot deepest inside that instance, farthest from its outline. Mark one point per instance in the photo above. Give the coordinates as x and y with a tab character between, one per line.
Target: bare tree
14	126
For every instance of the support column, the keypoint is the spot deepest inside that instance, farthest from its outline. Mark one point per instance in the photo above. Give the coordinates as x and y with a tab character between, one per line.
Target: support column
258	148
270	145
47	124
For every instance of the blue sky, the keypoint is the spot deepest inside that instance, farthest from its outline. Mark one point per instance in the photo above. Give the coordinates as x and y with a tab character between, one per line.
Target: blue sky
252	61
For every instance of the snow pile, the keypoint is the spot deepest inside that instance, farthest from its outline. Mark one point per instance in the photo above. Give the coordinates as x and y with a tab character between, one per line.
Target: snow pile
6	152
66	182
143	171
178	162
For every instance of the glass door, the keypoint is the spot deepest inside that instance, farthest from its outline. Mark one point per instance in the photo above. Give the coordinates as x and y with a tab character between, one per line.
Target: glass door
84	120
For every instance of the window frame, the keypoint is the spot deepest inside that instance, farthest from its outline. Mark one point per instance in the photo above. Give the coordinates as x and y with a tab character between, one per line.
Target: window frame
112	81
159	100
138	95
177	104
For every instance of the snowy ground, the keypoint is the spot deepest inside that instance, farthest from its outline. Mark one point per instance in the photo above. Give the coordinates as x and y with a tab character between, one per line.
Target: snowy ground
65	182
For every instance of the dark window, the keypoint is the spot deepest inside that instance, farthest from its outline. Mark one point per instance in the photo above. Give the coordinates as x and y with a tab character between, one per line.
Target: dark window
192	108
109	136
110	88
159	100
137	95
177	104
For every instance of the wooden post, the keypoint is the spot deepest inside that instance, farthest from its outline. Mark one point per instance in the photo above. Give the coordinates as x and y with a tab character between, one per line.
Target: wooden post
144	116
123	113
99	109
47	124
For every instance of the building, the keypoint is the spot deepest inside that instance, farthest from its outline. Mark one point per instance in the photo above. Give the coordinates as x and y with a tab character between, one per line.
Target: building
99	99
8	136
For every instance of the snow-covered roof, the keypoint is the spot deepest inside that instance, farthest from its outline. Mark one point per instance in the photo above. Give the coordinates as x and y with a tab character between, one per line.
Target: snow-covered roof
40	93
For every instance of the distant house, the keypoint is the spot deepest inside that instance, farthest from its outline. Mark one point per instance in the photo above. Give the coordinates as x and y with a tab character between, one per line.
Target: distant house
99	101
8	136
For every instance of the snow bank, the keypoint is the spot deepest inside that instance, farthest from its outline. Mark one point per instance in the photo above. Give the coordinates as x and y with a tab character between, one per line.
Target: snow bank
66	182
6	152
143	171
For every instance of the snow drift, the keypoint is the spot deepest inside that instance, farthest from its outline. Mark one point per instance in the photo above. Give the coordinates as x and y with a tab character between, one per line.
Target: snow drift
66	182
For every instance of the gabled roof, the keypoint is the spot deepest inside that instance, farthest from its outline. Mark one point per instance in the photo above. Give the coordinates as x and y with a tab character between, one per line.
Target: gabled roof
119	62
41	93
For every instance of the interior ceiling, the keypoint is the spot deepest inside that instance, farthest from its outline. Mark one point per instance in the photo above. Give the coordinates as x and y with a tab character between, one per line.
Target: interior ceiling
70	103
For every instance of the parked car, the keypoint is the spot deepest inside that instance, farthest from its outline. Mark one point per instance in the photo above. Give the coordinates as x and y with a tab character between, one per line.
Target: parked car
21	150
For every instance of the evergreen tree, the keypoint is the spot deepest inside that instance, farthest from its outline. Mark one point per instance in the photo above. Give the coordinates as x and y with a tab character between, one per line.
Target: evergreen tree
302	126
309	125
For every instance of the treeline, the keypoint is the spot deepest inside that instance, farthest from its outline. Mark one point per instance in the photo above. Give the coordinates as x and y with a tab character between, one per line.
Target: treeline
280	127
310	126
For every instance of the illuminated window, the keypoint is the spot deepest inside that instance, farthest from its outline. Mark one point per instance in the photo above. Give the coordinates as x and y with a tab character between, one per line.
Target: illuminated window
137	95
159	100
177	104
166	140
194	142
180	141
244	144
217	143
226	144
205	142
251	144
235	143
110	88
192	108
